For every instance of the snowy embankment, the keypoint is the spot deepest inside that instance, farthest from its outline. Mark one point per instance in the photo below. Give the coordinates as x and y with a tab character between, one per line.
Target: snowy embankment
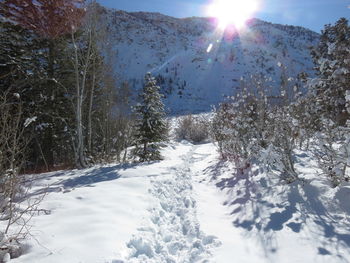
189	207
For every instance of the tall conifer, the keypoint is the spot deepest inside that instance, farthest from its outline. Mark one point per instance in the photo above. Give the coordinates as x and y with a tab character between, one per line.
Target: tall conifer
150	125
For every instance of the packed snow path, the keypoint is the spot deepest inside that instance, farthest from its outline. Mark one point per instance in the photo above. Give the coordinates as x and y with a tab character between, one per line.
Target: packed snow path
174	233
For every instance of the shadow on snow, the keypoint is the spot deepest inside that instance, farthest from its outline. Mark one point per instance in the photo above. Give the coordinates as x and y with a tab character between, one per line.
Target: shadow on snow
262	205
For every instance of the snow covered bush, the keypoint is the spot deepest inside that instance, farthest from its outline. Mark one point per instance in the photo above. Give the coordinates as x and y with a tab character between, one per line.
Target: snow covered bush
250	128
333	152
321	116
239	126
306	120
192	128
279	155
232	131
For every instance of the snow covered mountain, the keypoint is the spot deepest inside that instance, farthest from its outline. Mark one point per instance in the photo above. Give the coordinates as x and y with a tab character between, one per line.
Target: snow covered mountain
196	63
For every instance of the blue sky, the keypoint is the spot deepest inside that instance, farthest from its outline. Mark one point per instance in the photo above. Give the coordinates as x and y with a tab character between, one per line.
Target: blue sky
312	14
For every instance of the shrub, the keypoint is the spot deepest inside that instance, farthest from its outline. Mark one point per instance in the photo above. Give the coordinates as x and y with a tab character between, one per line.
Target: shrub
248	128
194	129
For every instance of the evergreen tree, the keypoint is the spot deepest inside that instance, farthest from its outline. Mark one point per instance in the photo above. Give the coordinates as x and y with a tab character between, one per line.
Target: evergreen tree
58	64
332	58
47	24
150	125
325	108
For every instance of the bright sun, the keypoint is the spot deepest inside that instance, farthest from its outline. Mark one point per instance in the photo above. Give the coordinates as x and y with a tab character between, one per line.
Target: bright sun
233	12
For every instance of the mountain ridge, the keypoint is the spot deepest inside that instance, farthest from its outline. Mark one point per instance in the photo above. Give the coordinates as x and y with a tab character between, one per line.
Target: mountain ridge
132	13
196	64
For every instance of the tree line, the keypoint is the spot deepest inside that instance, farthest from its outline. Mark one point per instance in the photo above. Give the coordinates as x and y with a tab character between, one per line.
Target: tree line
57	74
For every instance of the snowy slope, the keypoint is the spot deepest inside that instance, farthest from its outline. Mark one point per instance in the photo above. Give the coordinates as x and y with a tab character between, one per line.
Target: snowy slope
190	207
198	64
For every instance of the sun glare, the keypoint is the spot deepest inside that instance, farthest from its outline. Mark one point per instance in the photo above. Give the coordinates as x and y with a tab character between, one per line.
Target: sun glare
233	12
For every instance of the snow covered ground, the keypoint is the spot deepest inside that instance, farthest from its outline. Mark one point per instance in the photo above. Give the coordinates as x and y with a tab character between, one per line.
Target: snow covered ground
190	207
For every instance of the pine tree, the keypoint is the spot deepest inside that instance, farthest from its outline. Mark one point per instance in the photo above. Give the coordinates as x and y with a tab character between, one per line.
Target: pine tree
332	58
50	22
326	108
150	125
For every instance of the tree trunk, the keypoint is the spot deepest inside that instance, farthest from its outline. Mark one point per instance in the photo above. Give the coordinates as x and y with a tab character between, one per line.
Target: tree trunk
79	150
48	141
89	125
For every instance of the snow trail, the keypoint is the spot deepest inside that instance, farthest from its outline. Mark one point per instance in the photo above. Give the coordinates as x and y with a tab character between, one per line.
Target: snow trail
188	208
173	233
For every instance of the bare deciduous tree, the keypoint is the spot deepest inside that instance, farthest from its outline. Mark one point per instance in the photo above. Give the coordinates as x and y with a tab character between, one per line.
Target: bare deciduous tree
15	208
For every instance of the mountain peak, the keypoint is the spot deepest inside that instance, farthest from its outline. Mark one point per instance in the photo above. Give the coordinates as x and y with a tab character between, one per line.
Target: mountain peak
196	64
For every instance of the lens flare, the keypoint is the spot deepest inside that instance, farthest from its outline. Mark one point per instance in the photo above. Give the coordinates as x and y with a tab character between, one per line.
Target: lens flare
233	12
209	48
